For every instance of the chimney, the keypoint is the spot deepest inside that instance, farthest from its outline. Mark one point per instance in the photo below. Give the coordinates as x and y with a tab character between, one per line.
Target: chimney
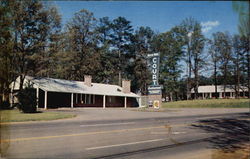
126	86
87	80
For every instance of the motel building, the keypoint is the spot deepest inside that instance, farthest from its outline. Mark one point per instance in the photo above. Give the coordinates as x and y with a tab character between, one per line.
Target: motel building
208	91
55	93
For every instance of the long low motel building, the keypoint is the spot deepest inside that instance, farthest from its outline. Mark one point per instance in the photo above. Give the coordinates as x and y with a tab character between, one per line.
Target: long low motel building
208	91
54	93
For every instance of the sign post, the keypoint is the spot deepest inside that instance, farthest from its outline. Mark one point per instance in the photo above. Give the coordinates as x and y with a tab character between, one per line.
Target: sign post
154	89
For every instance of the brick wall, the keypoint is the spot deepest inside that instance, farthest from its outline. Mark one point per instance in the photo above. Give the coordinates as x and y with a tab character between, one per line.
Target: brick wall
155	97
126	84
87	80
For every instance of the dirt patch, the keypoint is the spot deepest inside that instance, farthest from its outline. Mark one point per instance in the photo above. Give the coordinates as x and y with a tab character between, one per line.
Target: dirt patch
241	153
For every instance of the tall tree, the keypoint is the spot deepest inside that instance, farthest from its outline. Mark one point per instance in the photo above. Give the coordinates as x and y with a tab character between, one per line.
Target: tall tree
194	44
240	61
47	60
82	42
224	47
142	45
121	40
236	61
245	41
214	52
6	48
198	42
31	34
108	59
170	46
242	8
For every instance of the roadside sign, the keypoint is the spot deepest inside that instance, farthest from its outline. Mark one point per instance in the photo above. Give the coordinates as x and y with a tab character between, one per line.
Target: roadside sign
154	90
154	61
156	104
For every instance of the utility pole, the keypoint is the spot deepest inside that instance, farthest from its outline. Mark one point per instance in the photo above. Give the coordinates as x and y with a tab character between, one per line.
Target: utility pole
119	74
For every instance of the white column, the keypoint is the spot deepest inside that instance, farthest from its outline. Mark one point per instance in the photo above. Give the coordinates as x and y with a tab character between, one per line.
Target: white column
220	95
11	98
203	94
45	100
210	95
139	101
104	101
72	97
37	97
125	102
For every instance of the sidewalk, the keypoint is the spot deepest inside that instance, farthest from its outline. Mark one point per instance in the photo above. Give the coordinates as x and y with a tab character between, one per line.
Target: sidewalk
88	114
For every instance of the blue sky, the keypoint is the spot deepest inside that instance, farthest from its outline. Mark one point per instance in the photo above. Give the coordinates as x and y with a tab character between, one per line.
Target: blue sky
161	16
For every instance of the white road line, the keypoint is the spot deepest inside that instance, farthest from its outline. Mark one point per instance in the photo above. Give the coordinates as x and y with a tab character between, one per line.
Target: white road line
125	144
158	133
176	133
107	124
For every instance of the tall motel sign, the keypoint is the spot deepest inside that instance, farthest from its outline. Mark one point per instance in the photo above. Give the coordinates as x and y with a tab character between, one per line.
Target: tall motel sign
154	89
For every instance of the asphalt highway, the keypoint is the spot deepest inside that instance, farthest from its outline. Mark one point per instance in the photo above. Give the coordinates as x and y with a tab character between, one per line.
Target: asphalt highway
158	138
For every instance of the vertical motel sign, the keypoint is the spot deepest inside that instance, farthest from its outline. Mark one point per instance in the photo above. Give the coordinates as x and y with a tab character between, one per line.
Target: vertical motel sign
153	64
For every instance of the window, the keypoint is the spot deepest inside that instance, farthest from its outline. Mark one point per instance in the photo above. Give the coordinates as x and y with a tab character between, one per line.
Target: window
85	98
111	99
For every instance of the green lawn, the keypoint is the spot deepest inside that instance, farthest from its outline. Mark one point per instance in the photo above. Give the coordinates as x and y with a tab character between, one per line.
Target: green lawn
17	116
209	103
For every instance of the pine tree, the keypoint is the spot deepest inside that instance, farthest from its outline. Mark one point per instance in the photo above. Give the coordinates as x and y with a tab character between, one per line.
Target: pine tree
121	40
142	45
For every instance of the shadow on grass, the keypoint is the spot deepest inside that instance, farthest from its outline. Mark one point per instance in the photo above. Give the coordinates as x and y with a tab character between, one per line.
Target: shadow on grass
229	133
36	112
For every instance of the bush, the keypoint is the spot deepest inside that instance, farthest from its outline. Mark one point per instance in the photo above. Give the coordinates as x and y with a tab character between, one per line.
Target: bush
27	100
5	105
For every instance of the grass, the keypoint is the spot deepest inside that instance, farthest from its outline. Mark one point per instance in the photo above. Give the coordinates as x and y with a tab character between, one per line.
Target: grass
17	116
209	103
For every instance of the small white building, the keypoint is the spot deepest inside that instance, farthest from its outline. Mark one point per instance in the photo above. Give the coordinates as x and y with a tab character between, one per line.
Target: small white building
54	93
208	91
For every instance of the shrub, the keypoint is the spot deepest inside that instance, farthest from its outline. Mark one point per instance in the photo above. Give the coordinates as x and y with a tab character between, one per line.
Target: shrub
27	100
5	105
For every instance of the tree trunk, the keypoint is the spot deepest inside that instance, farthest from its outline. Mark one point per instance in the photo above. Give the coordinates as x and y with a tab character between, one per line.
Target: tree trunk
119	73
225	79
196	74
237	76
189	74
22	77
215	79
248	72
176	96
171	96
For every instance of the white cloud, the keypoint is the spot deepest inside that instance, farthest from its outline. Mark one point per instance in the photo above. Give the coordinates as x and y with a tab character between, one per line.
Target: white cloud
209	25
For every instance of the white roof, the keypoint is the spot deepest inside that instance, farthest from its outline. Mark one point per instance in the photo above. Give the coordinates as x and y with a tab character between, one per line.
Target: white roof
67	86
220	88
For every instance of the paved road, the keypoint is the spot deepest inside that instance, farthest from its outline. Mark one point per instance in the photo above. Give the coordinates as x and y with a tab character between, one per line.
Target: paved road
148	137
